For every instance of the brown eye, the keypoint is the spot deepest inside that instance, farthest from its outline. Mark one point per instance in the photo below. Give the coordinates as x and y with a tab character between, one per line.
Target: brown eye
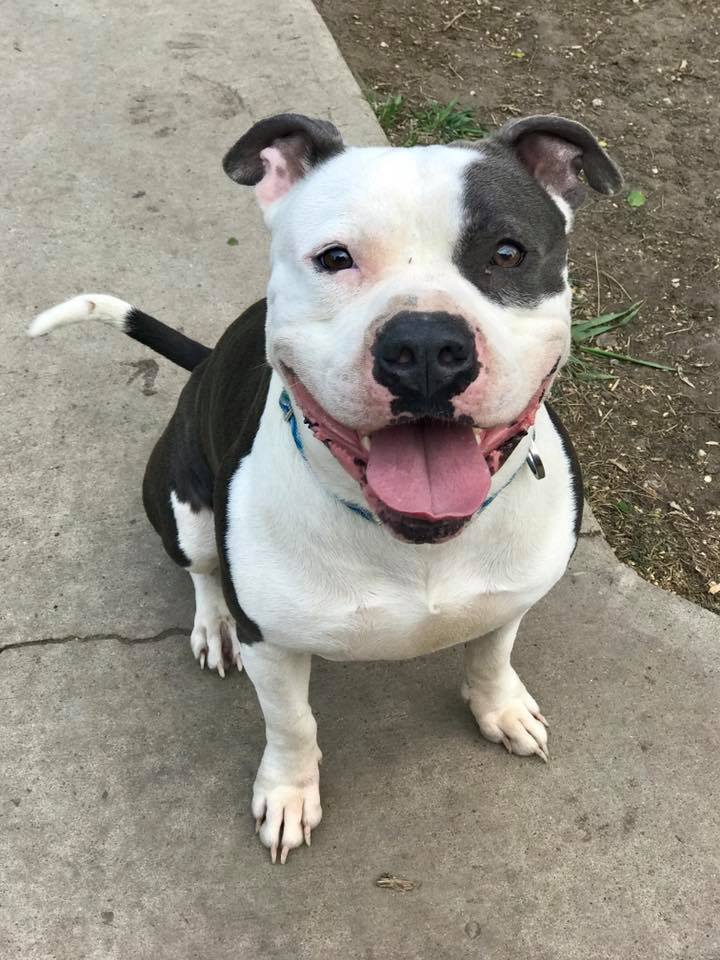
508	254
334	259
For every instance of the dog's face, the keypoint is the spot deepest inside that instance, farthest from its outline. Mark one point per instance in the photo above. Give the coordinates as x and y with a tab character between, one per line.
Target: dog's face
418	305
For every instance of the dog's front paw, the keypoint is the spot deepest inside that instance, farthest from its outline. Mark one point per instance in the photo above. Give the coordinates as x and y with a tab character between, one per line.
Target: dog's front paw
515	721
214	641
286	807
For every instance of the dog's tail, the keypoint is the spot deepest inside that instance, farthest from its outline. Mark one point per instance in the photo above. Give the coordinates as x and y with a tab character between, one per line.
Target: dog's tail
140	326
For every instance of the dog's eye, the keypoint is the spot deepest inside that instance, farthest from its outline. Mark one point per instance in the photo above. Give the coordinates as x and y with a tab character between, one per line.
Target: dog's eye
508	254
334	259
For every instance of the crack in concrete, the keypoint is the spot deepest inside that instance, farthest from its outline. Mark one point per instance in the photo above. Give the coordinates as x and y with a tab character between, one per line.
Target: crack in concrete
74	638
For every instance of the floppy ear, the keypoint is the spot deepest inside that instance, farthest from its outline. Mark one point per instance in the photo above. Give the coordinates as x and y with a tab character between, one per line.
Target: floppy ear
275	153
555	151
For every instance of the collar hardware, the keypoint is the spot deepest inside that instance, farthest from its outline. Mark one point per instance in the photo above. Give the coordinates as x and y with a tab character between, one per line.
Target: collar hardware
534	460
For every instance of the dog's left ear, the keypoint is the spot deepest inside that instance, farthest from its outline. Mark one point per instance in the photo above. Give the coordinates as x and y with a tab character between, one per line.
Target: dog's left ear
277	152
555	151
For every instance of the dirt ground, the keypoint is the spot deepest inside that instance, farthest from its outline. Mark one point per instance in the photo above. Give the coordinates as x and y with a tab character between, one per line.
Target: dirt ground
644	75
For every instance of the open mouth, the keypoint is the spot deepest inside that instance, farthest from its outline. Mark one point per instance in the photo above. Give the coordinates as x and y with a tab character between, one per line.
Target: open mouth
424	477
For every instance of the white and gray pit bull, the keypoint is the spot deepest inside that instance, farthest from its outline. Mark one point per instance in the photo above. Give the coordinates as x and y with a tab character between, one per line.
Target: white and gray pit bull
365	467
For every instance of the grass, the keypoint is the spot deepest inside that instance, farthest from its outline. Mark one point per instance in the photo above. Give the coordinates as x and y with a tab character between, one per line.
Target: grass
387	111
445	122
434	122
583	334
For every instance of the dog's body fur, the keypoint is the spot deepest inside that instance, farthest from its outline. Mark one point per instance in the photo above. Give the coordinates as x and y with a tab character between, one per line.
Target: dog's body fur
263	519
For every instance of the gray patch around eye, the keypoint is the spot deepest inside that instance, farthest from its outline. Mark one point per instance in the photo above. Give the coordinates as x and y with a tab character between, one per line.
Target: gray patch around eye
501	201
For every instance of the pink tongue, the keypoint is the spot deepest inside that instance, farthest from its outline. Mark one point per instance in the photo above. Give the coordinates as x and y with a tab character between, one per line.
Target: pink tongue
430	470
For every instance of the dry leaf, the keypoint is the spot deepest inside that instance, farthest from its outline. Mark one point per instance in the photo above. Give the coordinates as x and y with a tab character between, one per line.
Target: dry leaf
387	881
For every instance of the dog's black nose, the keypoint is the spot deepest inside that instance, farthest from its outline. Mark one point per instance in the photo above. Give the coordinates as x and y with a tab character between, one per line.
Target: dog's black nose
424	359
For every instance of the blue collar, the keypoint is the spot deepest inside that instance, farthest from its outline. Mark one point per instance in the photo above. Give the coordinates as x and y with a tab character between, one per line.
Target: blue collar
289	416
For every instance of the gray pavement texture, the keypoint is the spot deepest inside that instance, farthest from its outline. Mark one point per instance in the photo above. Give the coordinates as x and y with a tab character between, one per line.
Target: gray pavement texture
125	773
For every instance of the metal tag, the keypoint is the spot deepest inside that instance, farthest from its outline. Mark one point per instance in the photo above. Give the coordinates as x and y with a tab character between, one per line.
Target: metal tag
534	461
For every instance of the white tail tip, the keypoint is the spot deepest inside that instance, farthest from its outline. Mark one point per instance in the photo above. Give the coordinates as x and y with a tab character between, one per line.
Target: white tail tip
88	306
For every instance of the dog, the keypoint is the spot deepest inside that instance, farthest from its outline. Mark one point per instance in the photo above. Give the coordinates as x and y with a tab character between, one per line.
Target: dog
365	466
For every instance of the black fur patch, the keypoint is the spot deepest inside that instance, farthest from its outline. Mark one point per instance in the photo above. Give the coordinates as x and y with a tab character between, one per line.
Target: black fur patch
212	429
503	201
247	630
177	464
575	470
230	403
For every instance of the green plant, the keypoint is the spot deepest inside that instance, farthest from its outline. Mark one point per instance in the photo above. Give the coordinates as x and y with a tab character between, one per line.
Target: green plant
433	122
636	198
388	110
584	332
445	122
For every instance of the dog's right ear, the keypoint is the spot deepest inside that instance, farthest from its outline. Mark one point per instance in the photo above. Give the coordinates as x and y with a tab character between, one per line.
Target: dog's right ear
277	152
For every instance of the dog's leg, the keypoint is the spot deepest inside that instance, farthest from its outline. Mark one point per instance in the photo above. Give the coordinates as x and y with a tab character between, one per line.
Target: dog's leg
504	710
286	795
214	636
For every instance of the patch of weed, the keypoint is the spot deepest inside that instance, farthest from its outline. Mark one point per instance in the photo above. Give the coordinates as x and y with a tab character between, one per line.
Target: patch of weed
445	122
432	122
387	111
583	334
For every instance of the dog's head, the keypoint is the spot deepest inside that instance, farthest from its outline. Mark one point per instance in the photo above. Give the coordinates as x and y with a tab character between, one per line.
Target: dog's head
418	305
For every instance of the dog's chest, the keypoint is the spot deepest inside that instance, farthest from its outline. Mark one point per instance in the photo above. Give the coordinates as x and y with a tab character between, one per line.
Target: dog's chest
391	619
347	608
314	577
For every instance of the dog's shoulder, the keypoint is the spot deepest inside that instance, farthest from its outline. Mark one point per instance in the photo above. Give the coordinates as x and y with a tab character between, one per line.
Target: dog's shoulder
233	389
244	336
230	400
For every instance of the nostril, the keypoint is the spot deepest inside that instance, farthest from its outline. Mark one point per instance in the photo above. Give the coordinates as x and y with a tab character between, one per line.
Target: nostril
401	356
406	357
452	355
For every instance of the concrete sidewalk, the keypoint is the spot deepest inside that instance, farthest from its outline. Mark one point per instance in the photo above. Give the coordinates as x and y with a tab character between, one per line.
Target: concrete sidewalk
125	773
